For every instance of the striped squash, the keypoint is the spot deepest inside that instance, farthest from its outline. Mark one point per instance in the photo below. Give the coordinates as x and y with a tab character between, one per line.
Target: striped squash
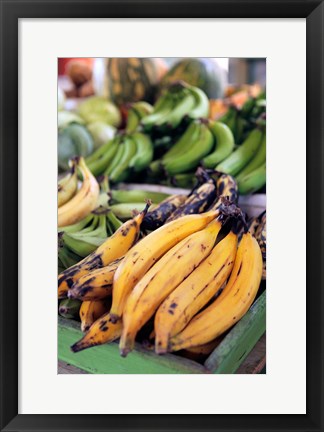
132	79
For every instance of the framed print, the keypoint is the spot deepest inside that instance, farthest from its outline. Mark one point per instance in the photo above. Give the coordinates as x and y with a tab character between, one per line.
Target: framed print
164	162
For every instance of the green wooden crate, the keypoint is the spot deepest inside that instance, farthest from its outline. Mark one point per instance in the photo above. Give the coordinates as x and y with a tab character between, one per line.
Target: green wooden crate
225	359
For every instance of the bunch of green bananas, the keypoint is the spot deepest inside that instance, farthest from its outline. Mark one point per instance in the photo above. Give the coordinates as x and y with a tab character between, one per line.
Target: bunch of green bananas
186	154
137	111
125	203
79	240
121	156
180	101
242	121
248	162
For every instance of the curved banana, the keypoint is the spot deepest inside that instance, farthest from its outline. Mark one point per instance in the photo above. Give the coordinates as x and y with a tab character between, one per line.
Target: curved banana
82	246
90	311
191	158
99	163
116	159
83	202
136	112
162	278
104	330
137	195
253	181
235	162
226	187
95	285
79	225
201	107
181	109
144	152
68	185
143	255
224	144
157	217
233	302
182	145
121	171
162	108
194	292
114	247
256	162
197	202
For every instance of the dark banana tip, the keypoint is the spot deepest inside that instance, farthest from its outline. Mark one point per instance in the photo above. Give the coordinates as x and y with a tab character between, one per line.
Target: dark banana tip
147	206
204	121
78	346
124	352
114	318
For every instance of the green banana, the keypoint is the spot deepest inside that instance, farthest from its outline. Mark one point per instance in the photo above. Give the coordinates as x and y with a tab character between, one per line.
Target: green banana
162	108
133	121
98	231
253	181
234	163
256	161
144	152
186	180
77	226
100	152
113	222
248	107
201	108
190	159
99	165
142	108
126	210
82	247
116	160
136	195
184	142
136	112
67	257
181	109
224	144
121	171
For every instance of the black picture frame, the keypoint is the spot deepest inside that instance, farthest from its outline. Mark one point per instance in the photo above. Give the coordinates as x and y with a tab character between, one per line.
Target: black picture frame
11	11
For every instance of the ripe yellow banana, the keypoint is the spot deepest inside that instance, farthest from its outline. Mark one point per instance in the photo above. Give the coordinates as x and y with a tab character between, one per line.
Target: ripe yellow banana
67	186
95	285
148	251
162	278
231	305
194	292
113	248
102	331
90	311
83	202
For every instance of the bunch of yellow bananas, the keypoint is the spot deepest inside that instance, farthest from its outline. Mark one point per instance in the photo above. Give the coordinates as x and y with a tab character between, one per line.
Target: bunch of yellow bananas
190	274
75	204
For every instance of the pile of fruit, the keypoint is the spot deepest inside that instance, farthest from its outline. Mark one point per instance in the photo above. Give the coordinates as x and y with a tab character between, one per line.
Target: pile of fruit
167	142
178	272
130	285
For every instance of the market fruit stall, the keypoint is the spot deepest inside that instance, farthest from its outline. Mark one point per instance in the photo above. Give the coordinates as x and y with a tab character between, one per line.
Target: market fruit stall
162	225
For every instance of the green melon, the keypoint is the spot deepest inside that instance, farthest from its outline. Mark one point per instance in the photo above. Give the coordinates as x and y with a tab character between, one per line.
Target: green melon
132	79
204	73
